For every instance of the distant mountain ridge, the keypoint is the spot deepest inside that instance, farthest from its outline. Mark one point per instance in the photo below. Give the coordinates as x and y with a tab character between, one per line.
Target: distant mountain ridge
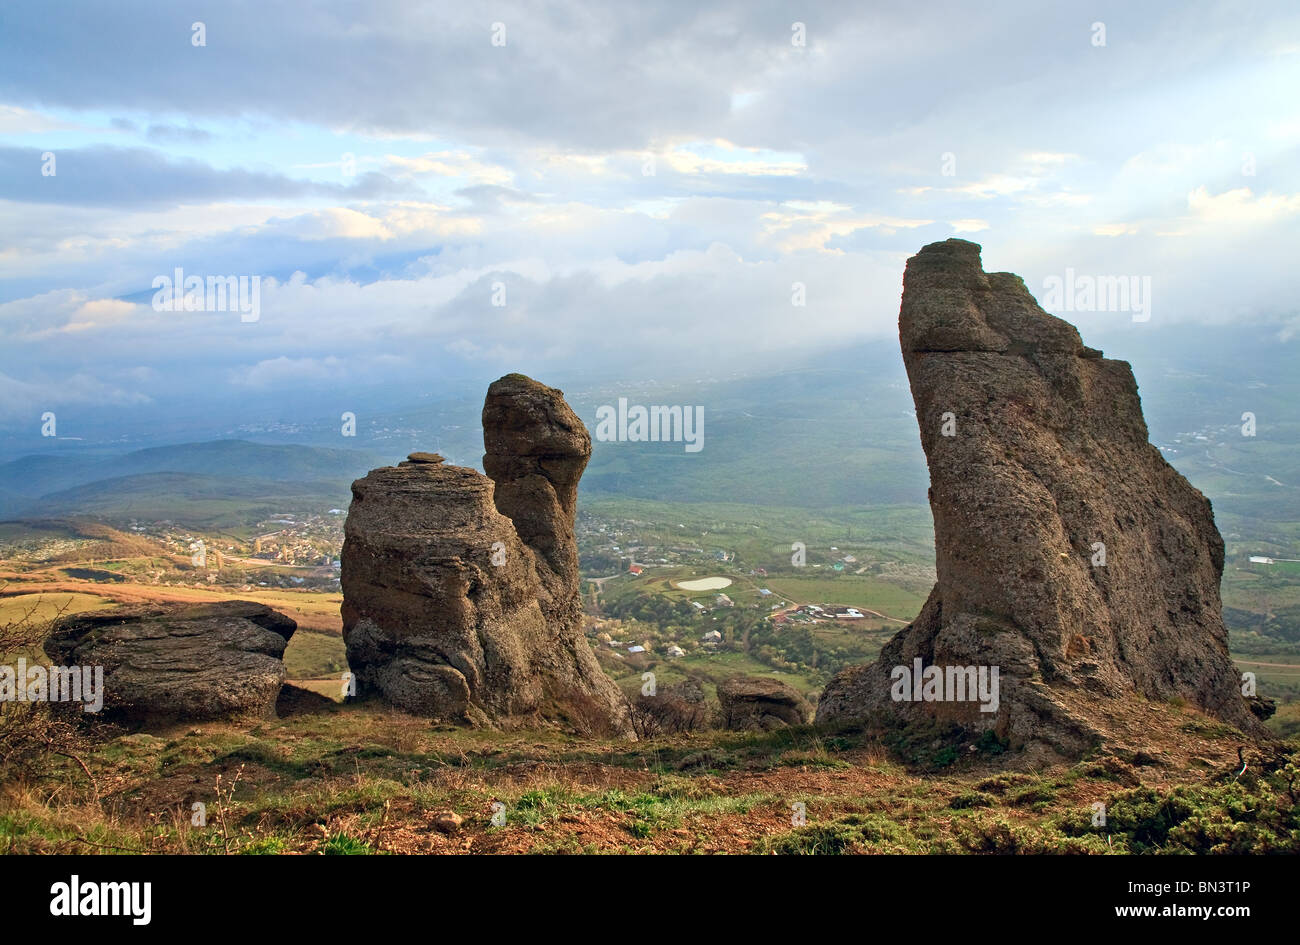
42	474
198	482
833	432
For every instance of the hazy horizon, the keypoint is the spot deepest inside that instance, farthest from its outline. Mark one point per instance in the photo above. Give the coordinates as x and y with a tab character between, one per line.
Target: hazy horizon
644	195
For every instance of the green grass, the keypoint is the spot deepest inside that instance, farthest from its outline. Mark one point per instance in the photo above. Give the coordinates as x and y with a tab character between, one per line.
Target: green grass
45	607
340	844
313	655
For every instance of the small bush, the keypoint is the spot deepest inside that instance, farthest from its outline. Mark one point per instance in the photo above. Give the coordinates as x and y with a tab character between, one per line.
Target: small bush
970	800
927	744
36	737
1000	837
1035	796
990	744
671	710
852	834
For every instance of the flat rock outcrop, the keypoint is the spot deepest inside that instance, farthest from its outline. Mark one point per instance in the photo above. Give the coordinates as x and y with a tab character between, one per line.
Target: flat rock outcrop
1069	554
187	663
460	590
756	702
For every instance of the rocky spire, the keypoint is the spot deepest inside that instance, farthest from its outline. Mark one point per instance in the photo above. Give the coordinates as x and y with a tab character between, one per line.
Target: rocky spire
1069	554
460	591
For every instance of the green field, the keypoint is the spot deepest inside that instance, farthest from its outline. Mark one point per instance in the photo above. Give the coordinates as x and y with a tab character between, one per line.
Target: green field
848	590
710	669
312	655
762	536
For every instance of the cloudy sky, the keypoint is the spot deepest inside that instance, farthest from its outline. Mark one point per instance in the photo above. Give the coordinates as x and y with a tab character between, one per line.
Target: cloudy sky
640	184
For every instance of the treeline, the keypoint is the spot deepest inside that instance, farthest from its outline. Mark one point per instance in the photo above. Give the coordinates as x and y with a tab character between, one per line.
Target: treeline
650	608
1254	633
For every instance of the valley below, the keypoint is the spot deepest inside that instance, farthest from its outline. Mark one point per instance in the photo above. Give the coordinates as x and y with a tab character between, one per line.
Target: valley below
329	777
802	552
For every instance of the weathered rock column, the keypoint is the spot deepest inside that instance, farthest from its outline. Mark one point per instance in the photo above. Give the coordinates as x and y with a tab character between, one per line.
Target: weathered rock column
461	593
1069	553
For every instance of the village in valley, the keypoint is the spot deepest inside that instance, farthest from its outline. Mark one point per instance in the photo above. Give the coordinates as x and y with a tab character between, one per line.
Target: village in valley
701	598
682	599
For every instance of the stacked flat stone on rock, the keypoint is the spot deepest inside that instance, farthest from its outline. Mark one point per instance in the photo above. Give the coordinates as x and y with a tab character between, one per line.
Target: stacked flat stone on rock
1069	553
180	663
460	591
